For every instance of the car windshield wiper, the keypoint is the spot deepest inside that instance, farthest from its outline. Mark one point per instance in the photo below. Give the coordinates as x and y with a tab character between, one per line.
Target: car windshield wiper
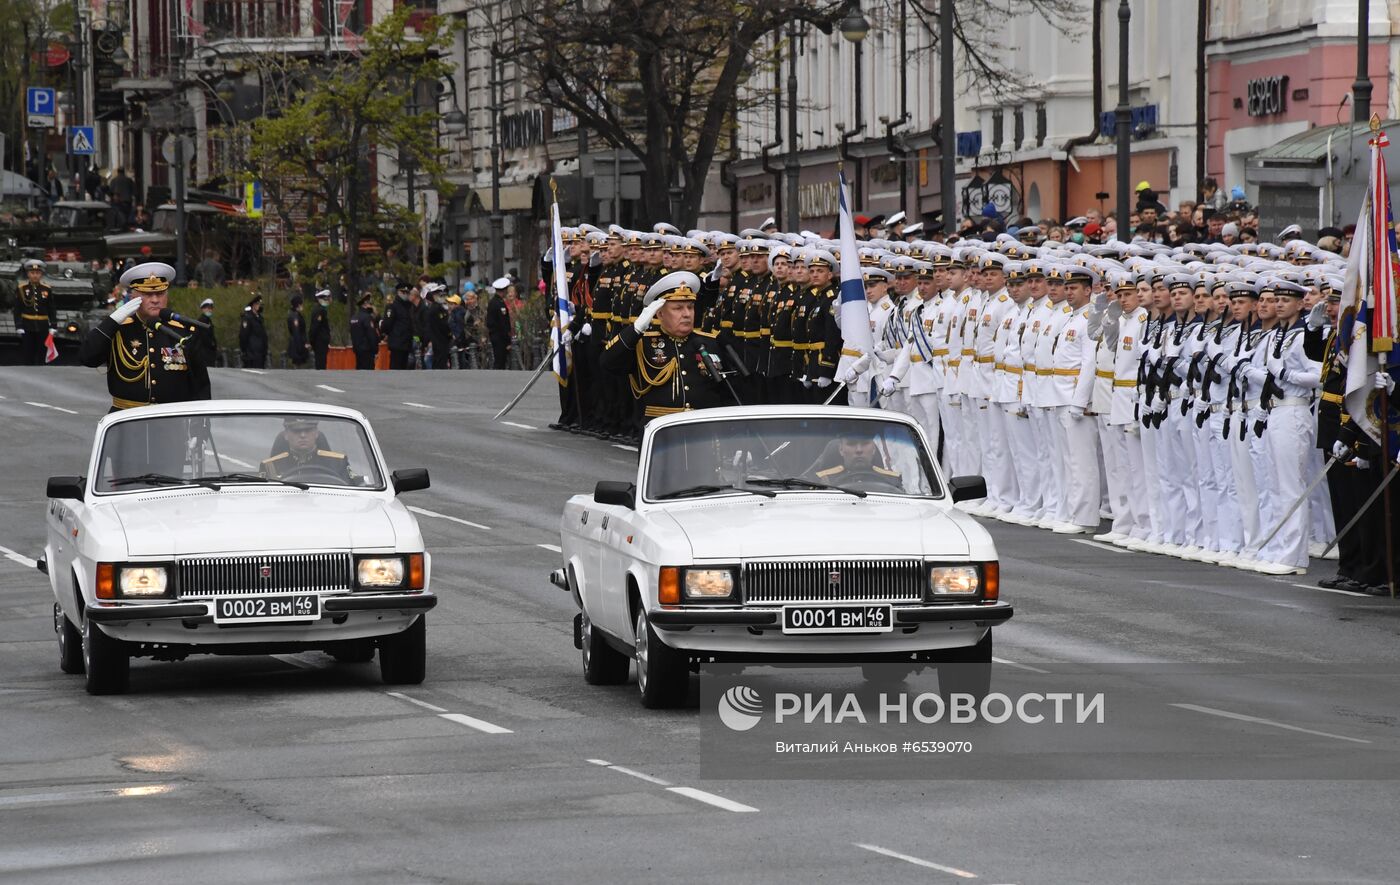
256	477
695	491
160	479
792	482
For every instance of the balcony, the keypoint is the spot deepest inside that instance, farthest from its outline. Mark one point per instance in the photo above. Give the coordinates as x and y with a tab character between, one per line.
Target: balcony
250	19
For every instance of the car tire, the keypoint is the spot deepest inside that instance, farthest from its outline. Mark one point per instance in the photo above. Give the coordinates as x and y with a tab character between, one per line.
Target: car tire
106	661
403	657
663	678
602	664
70	642
970	673
354	651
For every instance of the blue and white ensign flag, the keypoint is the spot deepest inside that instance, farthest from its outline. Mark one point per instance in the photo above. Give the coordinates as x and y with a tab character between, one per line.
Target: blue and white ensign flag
563	308
856	338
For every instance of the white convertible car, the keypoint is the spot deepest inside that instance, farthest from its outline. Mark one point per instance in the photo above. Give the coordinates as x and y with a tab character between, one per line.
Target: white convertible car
780	533
235	527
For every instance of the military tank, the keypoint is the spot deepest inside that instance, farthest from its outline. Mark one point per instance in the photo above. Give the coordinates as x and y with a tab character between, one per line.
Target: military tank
79	294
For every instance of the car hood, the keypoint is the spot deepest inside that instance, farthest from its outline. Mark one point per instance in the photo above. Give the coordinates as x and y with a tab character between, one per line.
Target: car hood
192	522
818	525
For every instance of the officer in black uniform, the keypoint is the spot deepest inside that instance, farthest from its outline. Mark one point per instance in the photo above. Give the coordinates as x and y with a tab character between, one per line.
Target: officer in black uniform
149	360
318	328
252	335
303	460
35	315
672	368
364	333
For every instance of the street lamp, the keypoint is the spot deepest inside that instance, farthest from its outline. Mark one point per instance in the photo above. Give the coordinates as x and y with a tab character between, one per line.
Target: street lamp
1123	118
498	221
791	168
854	27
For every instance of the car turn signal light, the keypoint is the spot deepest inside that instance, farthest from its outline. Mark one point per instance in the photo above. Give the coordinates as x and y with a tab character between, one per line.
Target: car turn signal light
991	580
668	589
416	575
106	581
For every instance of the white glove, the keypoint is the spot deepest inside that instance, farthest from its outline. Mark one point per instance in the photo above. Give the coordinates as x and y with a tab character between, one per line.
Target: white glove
549	254
595	259
823	382
805	382
21	333
586	330
1383	381
1339	450
127	309
847	375
565	339
1114	311
53	331
888	385
1363	464
1317	317
647	315
714	275
1076	412
1101	301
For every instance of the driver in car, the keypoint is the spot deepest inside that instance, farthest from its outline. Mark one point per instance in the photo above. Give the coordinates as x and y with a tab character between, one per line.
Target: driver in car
861	459
302	458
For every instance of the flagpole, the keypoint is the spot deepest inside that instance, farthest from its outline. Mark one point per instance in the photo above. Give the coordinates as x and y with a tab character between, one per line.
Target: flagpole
1383	355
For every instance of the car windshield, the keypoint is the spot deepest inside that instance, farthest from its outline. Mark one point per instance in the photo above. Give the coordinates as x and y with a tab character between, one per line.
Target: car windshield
215	451
858	456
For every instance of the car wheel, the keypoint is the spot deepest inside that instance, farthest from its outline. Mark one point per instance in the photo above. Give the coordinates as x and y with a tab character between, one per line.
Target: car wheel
105	659
967	670
662	675
602	664
70	642
355	651
403	657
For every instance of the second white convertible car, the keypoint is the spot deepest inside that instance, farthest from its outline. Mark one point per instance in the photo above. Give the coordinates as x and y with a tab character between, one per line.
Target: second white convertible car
235	527
780	533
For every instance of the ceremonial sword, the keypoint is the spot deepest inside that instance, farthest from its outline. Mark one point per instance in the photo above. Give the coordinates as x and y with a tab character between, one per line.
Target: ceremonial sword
528	384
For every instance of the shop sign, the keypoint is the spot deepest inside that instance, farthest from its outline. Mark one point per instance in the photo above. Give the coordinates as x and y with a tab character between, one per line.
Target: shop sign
1267	96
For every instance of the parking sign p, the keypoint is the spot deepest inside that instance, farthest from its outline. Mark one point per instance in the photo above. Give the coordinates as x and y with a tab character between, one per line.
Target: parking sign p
41	100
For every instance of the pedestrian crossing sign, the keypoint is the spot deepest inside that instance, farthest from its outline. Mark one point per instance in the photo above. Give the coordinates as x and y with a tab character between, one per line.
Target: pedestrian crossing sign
80	141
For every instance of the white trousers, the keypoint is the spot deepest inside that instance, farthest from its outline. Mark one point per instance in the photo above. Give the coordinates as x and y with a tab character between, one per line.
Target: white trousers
996	456
1081	500
952	434
1115	474
1208	487
1176	461
1246	498
1289	437
924	409
1152	478
1048	434
971	435
1025	459
1265	483
1139	520
1229	524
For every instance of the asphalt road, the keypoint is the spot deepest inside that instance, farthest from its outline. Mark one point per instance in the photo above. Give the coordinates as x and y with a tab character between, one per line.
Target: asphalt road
505	767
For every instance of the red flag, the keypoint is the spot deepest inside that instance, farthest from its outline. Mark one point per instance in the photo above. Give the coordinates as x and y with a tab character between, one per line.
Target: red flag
50	350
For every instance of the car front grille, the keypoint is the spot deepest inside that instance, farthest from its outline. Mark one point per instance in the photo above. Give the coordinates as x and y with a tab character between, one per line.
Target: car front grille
225	575
835	580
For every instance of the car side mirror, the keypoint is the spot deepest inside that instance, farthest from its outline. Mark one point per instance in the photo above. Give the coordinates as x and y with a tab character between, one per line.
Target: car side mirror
624	494
967	488
410	479
66	487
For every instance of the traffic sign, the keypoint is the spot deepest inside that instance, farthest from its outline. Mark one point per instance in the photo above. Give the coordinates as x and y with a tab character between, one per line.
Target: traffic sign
80	141
40	106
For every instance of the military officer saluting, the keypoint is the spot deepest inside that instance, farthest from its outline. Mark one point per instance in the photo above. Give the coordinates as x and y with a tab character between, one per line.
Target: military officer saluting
302	458
149	360
673	368
35	316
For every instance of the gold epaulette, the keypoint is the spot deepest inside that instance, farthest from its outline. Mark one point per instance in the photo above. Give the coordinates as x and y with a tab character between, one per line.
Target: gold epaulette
883	472
831	471
275	458
328	454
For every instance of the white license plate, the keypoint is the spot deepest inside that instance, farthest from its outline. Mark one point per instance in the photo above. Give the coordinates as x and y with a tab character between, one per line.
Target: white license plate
798	619
267	609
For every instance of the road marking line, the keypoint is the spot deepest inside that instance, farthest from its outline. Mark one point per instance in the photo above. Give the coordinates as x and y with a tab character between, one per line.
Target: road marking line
711	799
551	547
521	426
602	762
625	447
424	704
20	558
916	861
110	793
331	389
47	406
1019	666
433	513
478	724
1211	711
253	371
295	662
418	405
1330	590
634	773
1101	545
239	461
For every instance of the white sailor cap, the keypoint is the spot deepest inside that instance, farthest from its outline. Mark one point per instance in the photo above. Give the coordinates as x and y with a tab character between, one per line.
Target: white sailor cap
1292	230
149	277
1179	279
502	284
33	264
768	222
662	227
821	256
871	274
681	285
915	228
894	219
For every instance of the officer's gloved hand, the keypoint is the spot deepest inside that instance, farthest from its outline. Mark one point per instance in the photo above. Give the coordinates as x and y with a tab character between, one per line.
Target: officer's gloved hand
1114	310
888	385
53	330
549	254
586	330
595	260
847	374
1076	412
565	339
1339	451
805	383
648	314
823	383
1101	301
128	308
1363	464
1317	317
1383	381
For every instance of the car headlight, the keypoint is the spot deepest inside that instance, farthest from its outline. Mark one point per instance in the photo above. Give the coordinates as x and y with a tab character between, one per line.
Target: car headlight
709	583
138	582
954	580
381	571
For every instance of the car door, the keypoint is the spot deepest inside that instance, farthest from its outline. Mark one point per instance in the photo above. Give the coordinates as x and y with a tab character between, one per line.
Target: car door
60	550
